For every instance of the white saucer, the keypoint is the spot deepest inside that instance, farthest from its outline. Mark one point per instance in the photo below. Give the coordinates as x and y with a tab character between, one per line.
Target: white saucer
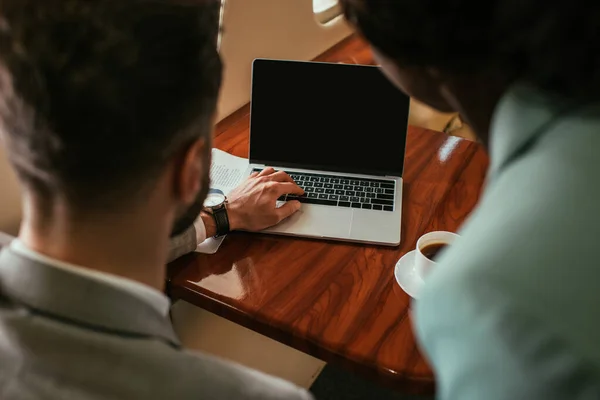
406	276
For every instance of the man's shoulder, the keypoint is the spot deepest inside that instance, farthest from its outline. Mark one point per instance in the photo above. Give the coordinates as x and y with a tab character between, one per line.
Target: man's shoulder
514	261
533	234
193	375
523	272
500	313
510	310
222	379
112	364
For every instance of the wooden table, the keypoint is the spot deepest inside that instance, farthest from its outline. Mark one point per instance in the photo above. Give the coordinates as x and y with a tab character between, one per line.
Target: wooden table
338	301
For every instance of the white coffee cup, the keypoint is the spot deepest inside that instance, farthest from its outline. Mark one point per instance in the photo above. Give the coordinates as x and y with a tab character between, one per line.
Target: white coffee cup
423	264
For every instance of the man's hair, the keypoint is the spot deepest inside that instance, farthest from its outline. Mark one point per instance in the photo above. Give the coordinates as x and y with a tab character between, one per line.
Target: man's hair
554	45
96	96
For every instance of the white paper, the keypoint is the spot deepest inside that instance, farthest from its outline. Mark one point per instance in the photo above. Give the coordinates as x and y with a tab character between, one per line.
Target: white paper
226	173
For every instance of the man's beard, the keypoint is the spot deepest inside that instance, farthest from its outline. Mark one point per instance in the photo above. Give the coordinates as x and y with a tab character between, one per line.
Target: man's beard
189	216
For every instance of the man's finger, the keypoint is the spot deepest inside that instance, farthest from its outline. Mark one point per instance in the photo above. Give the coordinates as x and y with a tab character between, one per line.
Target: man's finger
287	209
254	174
287	188
266	171
281	176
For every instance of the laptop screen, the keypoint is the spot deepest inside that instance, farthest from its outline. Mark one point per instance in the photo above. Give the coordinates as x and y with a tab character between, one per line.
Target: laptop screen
332	117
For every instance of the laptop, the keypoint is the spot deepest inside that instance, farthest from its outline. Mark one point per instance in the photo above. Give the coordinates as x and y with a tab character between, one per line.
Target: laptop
339	131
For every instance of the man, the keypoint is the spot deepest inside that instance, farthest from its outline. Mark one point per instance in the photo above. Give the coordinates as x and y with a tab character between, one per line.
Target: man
512	310
106	109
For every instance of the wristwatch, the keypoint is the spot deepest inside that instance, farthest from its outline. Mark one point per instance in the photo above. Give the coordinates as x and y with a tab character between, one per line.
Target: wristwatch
216	205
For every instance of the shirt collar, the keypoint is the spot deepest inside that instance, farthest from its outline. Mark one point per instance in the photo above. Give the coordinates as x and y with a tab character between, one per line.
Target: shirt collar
149	295
61	296
522	114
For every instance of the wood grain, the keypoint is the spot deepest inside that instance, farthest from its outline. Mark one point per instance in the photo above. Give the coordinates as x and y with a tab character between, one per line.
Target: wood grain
338	301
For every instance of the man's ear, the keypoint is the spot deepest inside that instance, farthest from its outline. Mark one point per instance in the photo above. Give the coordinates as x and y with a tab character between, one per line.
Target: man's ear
188	176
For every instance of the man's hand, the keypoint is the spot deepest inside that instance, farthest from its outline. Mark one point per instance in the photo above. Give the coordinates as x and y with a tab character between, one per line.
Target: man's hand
252	205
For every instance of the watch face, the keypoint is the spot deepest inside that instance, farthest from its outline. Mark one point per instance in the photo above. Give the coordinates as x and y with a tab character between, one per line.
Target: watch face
213	200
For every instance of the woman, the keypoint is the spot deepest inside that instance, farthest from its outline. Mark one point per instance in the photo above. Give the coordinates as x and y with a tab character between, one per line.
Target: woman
512	311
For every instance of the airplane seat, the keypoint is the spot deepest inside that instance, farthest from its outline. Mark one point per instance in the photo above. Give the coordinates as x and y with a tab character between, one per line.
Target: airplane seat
287	29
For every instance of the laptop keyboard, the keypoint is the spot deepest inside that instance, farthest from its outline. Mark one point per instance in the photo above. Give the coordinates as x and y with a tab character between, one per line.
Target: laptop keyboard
340	191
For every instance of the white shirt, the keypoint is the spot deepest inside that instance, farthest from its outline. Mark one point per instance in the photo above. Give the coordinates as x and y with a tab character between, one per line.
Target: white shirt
150	295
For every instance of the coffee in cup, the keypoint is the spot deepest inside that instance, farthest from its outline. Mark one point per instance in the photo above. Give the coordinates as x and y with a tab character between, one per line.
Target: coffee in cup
431	250
429	247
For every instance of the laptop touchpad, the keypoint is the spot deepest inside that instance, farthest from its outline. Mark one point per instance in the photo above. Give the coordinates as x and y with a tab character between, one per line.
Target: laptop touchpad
317	221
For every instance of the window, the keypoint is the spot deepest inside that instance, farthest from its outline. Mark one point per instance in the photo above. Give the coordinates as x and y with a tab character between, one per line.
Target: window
221	15
326	10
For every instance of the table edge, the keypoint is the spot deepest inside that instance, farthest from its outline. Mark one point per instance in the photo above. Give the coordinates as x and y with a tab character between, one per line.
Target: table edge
410	384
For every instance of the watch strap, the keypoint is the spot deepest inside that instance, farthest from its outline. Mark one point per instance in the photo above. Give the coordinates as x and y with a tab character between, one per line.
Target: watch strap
221	221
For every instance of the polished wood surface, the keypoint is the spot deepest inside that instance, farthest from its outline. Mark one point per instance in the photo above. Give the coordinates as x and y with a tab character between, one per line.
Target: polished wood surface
338	301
